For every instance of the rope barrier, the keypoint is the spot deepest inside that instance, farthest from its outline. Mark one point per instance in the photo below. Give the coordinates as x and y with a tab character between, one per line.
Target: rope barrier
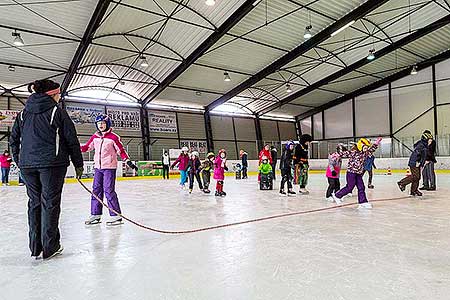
234	223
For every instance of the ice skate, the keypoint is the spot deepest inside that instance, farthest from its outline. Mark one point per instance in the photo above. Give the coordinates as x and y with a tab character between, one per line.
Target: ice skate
93	220
291	192
329	199
206	191
57	252
282	192
21	184
433	188
303	191
401	186
424	188
117	220
217	194
36	257
190	191
370	186
222	194
365	205
336	199
416	193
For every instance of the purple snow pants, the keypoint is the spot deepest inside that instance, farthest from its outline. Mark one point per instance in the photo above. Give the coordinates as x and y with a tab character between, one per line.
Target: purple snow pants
104	184
352	180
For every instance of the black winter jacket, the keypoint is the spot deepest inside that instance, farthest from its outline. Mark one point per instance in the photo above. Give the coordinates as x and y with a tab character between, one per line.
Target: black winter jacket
244	159
301	154
44	136
274	154
431	152
194	166
419	154
286	160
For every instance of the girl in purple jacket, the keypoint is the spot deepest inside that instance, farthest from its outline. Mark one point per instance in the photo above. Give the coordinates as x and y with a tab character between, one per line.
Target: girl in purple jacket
182	162
355	169
107	146
220	166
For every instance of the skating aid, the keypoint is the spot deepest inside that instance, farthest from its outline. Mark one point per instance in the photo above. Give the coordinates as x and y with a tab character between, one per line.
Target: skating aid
235	223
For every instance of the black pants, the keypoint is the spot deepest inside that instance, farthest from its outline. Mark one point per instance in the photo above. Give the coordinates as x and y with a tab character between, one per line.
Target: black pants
274	165
244	172
370	176
334	185
286	175
206	176
165	171
191	180
44	188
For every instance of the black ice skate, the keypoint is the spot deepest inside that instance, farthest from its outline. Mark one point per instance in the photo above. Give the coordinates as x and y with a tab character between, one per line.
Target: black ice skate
416	193
291	192
282	192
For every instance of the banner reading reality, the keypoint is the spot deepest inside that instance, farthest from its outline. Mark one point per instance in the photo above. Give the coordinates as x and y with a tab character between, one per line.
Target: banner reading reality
163	122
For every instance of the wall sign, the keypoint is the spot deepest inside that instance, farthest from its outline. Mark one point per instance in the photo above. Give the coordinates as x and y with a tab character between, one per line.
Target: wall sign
125	119
163	122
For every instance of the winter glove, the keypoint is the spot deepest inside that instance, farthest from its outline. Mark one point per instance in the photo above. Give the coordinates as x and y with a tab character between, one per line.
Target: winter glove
79	172
131	165
333	173
378	141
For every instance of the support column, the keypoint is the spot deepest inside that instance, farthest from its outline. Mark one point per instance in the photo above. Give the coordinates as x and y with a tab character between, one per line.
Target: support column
208	130
145	129
391	122
435	112
354	119
259	137
298	128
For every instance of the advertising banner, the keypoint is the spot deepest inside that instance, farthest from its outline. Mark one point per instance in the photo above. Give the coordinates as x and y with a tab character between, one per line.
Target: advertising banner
199	146
8	117
125	119
163	122
83	115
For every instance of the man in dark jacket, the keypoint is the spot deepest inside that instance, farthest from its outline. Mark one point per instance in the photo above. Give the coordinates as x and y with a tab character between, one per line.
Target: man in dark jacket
301	162
286	168
274	153
244	158
416	162
42	140
428	174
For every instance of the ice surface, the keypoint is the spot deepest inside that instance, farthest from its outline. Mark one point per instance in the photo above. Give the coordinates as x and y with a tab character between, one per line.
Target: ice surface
398	250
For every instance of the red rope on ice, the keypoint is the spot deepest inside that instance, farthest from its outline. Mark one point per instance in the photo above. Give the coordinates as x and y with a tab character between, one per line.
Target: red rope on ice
234	223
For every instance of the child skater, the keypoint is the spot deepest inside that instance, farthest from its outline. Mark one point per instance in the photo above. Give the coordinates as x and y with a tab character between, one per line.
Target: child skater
355	169
416	163
182	162
369	165
301	159
207	167
244	158
106	145
220	166
333	171
265	152
193	169
266	174
286	168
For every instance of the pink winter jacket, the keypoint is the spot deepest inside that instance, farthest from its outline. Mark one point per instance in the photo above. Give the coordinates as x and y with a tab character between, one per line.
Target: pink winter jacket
107	147
219	168
5	161
183	161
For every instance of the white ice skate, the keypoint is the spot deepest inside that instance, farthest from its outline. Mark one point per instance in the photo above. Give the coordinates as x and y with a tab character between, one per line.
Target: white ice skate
330	199
117	220
304	191
93	220
336	199
57	252
366	205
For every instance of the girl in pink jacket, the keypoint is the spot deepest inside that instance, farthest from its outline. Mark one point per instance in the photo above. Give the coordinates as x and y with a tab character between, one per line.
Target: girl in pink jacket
220	166
107	146
333	171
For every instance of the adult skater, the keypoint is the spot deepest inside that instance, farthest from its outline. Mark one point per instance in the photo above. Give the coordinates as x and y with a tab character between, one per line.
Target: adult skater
301	162
428	174
43	157
274	154
106	145
244	160
355	169
415	163
286	168
5	164
165	160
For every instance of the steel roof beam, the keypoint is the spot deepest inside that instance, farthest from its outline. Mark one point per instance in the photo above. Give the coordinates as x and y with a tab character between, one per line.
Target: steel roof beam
362	62
94	23
378	84
238	15
356	14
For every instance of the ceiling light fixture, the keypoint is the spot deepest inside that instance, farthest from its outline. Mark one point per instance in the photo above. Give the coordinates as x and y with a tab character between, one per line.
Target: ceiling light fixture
226	76
144	62
210	2
414	70
12	68
371	55
307	35
288	88
343	28
122	82
18	41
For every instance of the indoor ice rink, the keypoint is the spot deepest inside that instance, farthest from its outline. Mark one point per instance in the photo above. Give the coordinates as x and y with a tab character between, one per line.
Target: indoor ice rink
307	144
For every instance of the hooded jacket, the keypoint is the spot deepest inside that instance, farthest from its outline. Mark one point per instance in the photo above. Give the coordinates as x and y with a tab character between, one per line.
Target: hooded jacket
419	154
5	161
44	136
182	160
106	145
286	160
244	159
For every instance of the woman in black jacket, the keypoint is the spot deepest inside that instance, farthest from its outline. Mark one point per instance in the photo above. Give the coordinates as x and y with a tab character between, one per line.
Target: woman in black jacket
428	174
42	140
